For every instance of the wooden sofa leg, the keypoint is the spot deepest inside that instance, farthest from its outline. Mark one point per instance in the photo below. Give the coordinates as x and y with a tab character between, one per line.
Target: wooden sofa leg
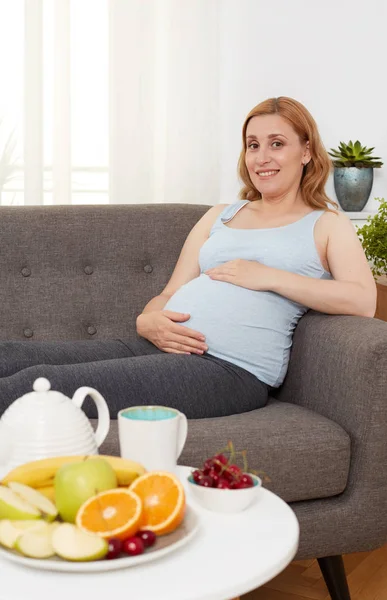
332	568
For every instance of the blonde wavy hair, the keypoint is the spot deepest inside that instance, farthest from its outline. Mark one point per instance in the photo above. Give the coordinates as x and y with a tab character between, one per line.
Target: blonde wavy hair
315	173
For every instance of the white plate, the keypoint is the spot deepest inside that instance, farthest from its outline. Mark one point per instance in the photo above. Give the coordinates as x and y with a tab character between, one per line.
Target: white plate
164	545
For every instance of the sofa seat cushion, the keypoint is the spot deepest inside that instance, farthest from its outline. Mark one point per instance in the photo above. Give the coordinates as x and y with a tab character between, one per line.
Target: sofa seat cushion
306	456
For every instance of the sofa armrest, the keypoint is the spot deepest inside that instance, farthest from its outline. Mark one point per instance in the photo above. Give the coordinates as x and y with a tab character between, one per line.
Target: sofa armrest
338	368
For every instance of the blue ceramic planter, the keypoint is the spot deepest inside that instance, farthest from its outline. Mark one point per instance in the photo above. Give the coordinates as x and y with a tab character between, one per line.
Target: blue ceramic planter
353	187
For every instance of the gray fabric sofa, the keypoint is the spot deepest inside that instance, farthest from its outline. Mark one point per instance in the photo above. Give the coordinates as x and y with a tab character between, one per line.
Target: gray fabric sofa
86	272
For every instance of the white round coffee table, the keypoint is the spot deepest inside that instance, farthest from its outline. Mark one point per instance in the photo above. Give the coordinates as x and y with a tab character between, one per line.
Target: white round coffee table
230	555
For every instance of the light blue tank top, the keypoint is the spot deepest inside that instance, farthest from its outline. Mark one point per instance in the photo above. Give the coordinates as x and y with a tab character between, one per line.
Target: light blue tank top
252	329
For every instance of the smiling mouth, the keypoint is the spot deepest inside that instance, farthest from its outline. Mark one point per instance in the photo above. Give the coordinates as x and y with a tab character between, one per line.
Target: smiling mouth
267	174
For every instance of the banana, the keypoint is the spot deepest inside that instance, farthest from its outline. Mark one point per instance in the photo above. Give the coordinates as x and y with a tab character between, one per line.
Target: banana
41	473
49	492
126	470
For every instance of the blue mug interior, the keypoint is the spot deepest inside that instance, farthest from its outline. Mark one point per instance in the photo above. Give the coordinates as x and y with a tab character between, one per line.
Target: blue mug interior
152	413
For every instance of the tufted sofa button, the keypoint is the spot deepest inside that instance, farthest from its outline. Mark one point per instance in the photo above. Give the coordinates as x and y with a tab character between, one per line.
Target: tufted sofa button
91	330
148	268
88	270
28	333
26	272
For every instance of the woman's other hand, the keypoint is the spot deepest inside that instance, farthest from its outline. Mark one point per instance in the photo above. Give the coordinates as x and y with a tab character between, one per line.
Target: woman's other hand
249	274
161	327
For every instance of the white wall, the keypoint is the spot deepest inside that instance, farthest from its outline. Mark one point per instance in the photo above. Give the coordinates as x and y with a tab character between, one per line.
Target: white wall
329	55
184	74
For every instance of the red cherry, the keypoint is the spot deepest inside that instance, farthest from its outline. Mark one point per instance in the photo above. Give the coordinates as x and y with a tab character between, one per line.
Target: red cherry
208	465
223	484
246	478
214	476
227	475
133	546
148	537
221	458
197	475
115	548
233	473
234	484
206	481
239	485
219	462
235	470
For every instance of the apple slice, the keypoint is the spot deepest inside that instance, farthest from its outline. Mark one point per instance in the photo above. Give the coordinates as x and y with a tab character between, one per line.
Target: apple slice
36	543
35	498
72	543
14	507
11	530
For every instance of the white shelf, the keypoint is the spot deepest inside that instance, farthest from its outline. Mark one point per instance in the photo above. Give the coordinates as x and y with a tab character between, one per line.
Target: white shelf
359	216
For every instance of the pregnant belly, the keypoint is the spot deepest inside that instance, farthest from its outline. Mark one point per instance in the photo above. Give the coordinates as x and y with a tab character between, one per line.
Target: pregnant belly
252	329
229	316
205	300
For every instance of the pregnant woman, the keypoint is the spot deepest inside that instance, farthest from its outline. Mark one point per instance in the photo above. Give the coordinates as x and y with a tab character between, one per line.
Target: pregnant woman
219	335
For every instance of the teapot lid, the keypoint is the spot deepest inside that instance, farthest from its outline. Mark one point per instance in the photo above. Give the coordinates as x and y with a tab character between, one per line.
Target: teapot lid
41	385
41	392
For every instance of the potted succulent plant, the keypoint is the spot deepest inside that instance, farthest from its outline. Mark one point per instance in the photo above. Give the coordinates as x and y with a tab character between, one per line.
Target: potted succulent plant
373	237
353	175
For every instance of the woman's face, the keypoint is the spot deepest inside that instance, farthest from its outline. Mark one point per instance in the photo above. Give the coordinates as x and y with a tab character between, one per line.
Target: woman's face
274	155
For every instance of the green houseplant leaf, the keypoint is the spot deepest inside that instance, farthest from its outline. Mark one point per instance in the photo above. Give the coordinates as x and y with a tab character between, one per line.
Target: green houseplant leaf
373	238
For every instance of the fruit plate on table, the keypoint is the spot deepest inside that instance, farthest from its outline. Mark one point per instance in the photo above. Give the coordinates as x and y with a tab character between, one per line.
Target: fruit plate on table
164	545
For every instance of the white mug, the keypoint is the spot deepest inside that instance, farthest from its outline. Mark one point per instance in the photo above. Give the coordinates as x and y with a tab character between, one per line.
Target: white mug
152	435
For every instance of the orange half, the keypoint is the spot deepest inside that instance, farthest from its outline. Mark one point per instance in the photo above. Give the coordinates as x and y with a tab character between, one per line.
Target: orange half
113	513
163	500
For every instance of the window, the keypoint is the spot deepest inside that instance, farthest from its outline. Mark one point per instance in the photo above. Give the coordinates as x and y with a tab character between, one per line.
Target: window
87	127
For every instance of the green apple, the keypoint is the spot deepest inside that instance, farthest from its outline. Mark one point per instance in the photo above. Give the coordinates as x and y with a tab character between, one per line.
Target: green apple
13	506
35	498
11	530
36	543
72	543
75	483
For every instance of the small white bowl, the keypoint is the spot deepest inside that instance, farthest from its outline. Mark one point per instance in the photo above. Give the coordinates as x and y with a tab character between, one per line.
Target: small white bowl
225	501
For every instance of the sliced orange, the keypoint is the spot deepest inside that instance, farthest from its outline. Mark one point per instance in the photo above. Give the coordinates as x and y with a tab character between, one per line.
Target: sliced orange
113	513
163	500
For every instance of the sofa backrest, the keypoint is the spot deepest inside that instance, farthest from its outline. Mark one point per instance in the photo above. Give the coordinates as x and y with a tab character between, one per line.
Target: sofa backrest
86	272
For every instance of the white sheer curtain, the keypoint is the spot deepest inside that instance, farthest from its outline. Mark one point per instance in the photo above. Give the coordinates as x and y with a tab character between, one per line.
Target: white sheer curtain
164	101
112	100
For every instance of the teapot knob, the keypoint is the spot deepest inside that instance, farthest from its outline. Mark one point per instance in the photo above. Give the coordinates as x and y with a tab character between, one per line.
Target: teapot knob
41	385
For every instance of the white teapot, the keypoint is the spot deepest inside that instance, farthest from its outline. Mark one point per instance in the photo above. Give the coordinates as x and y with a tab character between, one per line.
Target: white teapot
45	423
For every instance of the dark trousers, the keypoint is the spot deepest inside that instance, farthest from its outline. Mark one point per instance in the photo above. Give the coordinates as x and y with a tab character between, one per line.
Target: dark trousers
130	373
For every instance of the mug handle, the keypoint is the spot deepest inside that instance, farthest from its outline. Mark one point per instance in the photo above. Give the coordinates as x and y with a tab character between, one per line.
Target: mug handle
102	408
183	431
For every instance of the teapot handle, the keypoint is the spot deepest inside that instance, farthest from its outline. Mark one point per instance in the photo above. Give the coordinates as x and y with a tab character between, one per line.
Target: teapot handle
102	408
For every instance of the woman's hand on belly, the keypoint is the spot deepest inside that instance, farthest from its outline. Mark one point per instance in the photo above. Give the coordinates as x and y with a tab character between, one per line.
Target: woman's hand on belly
160	328
249	274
